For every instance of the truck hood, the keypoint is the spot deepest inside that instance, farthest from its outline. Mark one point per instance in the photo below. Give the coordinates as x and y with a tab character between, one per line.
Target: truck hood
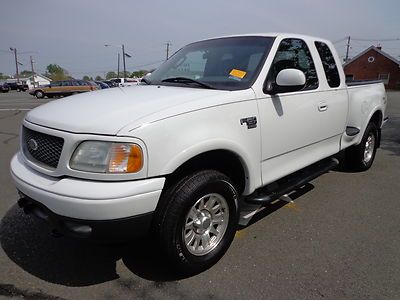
108	111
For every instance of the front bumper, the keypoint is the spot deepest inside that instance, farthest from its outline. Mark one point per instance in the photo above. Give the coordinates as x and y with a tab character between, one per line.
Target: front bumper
87	199
99	230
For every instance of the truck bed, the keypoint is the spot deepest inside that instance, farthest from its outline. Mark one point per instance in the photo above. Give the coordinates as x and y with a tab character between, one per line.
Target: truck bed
361	82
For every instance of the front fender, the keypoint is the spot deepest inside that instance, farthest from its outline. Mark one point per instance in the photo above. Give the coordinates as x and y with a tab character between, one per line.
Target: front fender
173	141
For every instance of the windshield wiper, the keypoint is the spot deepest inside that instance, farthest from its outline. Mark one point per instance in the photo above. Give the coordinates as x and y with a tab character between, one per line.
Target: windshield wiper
187	80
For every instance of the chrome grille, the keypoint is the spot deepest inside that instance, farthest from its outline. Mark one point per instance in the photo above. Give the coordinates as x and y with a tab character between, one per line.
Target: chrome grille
44	148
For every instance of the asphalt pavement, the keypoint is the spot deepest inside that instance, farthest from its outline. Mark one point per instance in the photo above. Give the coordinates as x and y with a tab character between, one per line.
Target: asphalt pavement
339	238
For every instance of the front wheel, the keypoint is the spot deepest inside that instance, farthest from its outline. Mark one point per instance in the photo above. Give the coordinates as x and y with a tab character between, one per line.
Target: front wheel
199	220
361	157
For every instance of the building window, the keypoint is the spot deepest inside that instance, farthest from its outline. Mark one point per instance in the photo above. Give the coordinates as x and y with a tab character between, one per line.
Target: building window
384	77
349	77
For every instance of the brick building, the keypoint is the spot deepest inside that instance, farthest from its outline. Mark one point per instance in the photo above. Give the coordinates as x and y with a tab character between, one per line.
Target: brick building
374	64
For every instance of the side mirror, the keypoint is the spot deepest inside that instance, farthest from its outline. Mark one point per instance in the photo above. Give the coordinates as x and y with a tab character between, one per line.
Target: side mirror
287	80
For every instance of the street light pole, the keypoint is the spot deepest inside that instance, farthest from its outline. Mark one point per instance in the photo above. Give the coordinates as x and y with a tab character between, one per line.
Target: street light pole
33	73
118	66
168	44
16	61
123	57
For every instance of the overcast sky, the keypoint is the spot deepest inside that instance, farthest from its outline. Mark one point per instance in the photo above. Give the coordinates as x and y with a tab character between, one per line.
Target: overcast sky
73	33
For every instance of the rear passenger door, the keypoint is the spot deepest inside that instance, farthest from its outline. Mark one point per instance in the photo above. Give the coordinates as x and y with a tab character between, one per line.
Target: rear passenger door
334	90
295	126
66	87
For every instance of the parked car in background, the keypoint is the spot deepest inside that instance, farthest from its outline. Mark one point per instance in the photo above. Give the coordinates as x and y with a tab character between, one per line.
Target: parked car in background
93	83
18	86
63	88
126	81
4	87
110	83
102	85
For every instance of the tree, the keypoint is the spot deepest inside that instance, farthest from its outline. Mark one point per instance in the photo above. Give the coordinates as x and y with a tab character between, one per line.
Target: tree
110	75
55	72
98	78
139	74
25	74
3	76
121	74
87	78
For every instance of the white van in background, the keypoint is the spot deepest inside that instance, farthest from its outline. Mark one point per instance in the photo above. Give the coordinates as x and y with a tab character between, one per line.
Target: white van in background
126	81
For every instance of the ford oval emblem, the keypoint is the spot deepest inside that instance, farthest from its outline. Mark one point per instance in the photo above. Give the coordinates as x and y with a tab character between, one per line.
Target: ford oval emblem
33	145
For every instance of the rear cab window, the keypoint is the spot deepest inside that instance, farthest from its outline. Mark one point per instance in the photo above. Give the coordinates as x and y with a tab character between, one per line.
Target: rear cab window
329	64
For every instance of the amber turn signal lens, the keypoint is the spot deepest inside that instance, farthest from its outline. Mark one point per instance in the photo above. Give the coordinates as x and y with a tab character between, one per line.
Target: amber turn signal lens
125	158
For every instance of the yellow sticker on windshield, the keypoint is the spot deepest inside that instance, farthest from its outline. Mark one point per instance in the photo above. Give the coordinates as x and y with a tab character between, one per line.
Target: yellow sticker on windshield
238	73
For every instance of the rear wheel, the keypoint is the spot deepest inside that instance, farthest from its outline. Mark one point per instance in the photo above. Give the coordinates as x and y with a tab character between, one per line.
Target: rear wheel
361	157
39	94
198	221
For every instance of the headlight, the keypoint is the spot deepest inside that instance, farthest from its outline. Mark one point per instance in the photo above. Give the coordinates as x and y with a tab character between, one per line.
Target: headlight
106	157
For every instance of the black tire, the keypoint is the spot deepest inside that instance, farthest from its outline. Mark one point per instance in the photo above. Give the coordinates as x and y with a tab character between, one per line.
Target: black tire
39	94
358	158
174	214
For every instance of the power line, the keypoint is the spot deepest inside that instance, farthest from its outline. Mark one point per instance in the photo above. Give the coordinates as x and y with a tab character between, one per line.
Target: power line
341	40
376	40
128	67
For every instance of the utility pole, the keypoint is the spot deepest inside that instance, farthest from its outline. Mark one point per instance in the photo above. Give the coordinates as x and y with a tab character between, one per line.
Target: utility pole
33	73
123	57
168	44
16	61
347	49
118	67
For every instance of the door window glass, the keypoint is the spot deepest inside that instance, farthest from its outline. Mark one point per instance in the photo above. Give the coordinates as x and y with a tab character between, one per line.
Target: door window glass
294	54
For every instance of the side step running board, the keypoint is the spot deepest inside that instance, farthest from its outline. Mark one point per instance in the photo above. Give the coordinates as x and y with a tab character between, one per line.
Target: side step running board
289	183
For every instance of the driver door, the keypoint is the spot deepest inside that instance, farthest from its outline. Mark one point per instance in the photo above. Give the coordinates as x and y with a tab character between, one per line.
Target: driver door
294	128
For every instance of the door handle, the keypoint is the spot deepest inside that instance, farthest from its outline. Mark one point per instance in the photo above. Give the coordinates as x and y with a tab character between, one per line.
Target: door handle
322	107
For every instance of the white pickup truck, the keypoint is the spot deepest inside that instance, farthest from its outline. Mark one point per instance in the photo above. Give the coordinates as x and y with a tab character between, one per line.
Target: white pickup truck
224	122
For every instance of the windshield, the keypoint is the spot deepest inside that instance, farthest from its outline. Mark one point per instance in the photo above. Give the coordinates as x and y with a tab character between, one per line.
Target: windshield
226	63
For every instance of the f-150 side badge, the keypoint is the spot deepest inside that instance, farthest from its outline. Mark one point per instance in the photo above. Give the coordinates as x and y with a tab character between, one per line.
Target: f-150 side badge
250	121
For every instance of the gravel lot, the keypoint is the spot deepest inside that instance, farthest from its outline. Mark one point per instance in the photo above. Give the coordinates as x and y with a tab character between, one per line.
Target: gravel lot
340	239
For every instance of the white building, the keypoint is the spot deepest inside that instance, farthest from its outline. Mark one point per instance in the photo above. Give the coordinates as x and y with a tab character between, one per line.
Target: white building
39	80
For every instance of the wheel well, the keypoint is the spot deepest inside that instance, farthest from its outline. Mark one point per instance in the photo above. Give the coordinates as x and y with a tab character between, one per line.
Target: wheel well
223	161
377	120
